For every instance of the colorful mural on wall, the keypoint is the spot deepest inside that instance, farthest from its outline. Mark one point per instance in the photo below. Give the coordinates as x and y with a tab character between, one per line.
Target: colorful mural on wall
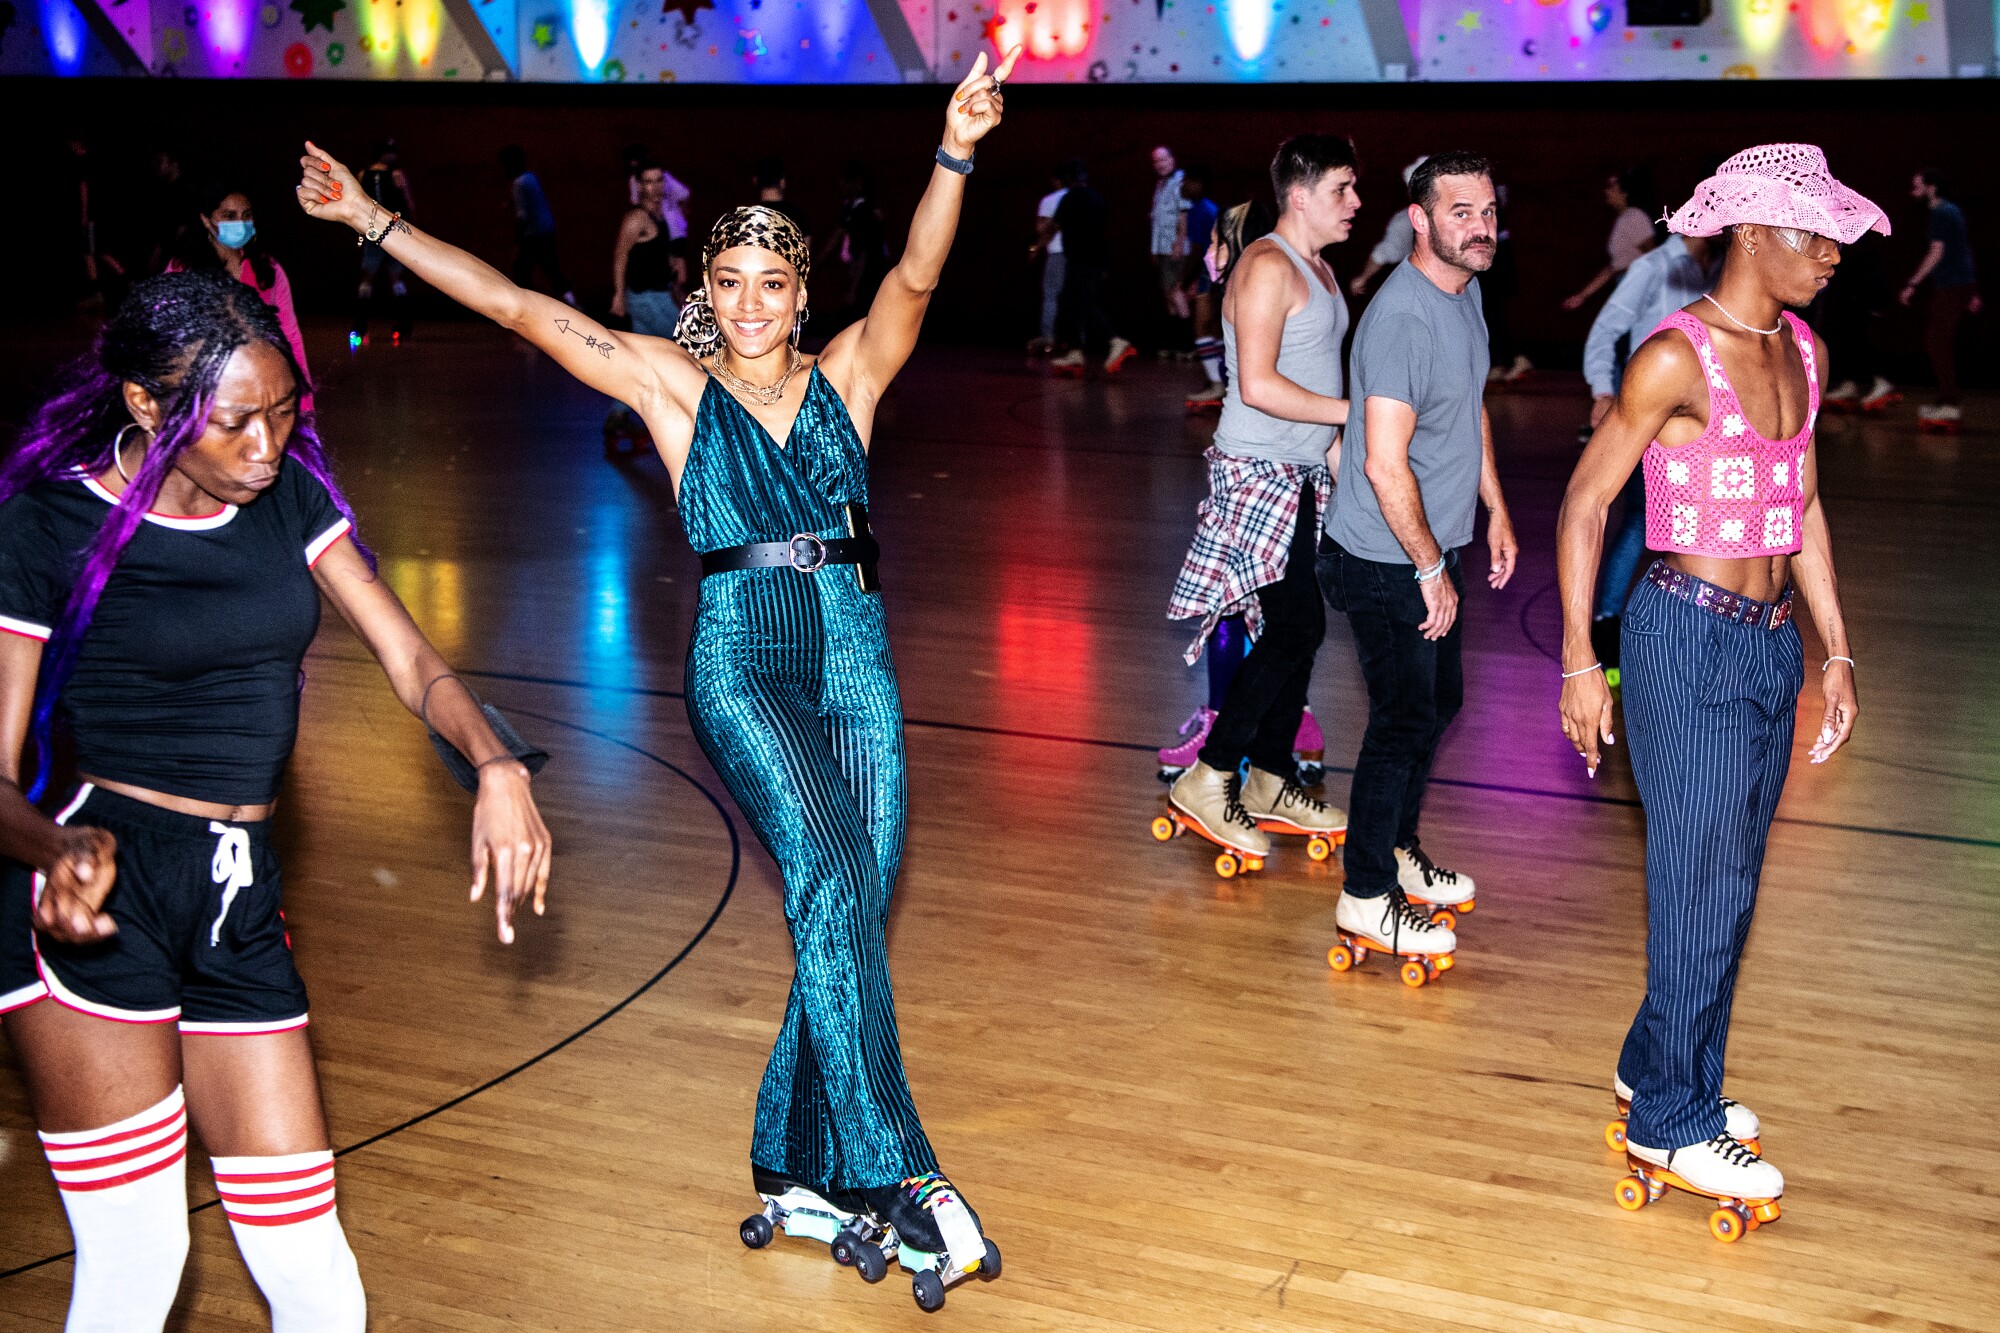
890	41
1743	39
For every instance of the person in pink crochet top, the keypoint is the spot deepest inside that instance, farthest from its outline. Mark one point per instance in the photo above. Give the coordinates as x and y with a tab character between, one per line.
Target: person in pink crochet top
1718	406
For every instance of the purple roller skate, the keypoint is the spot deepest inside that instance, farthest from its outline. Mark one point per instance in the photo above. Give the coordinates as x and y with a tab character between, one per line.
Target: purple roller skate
1309	748
1178	759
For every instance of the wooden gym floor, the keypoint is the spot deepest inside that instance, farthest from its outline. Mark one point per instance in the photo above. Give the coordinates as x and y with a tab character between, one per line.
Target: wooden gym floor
1171	1114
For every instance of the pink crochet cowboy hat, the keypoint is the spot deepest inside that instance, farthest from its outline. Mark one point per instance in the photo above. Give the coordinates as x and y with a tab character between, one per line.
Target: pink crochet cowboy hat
1778	185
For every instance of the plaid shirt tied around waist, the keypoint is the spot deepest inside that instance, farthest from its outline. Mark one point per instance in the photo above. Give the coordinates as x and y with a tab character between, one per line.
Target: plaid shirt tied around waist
1242	539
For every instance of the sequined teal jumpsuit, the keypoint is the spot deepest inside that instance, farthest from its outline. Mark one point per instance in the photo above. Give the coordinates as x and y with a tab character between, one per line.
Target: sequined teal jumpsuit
792	696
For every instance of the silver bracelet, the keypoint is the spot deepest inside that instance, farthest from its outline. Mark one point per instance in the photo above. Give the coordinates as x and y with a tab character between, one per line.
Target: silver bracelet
1426	575
1836	658
1594	666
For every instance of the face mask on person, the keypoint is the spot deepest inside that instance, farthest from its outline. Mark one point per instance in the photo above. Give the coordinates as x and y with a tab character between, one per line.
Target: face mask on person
235	235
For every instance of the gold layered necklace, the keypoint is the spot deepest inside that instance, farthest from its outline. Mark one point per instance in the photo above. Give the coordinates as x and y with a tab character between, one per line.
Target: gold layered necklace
764	395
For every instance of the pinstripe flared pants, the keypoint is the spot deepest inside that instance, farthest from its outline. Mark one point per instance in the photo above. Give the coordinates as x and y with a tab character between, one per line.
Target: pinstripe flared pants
792	696
1709	707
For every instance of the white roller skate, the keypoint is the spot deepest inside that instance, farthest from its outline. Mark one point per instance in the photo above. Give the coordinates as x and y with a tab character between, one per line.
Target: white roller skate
1745	1187
1389	925
839	1218
936	1234
1738	1120
1446	894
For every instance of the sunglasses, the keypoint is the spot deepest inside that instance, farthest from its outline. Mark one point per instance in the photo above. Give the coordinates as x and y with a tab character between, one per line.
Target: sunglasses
1810	244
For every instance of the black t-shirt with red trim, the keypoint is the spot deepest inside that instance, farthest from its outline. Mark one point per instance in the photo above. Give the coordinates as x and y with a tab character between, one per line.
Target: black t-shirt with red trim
188	680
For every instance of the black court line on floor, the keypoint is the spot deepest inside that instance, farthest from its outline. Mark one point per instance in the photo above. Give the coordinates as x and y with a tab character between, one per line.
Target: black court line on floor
728	891
1583	798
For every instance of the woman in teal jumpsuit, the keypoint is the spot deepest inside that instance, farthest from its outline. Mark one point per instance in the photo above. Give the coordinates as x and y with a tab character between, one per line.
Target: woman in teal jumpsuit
789	684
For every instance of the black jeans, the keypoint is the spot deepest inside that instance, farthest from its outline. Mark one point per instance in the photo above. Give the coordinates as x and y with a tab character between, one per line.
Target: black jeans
1415	687
1259	717
1081	321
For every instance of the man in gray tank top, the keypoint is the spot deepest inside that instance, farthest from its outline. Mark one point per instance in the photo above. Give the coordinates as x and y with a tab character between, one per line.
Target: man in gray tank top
1283	319
1419	454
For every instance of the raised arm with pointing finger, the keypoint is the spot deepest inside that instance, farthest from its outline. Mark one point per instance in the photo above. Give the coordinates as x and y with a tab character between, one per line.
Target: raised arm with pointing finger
659	380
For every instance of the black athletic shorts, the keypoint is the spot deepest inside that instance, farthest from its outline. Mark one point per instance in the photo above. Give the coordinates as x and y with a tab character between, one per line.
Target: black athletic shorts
201	933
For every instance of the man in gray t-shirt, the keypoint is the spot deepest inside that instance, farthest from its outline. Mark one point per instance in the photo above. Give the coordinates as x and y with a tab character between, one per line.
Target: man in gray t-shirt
1418	457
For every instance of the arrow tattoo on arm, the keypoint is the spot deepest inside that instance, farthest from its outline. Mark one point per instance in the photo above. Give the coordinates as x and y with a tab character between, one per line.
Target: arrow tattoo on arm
603	346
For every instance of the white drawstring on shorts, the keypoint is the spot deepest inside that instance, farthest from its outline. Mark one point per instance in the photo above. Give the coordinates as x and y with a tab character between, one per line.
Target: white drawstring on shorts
231	868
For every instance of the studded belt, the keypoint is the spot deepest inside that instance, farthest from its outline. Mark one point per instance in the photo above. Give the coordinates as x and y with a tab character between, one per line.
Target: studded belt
1731	606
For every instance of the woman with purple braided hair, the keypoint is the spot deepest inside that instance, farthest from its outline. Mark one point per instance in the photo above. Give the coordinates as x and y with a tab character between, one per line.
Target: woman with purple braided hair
168	524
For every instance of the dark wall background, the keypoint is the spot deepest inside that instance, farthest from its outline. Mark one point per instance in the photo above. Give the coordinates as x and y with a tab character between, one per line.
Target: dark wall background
1553	145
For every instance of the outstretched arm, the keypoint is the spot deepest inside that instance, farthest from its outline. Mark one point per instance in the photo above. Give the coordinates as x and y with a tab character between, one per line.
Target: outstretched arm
508	836
876	348
1656	385
607	362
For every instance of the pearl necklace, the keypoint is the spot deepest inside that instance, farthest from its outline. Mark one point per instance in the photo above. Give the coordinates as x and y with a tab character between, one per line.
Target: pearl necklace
1747	328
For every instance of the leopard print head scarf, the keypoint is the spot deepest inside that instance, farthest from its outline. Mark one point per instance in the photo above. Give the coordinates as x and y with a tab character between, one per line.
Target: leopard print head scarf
756	225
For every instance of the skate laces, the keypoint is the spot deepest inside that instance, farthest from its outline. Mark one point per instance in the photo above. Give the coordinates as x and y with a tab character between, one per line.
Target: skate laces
1233	810
1193	724
1433	872
1294	794
930	1191
1400	916
1732	1150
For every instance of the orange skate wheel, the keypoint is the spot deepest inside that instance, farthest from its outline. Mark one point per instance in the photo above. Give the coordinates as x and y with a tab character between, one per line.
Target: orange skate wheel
1444	917
1340	838
1339	958
1765	1212
1226	865
1726	1225
1414	973
1319	849
1163	828
1468	904
1443	962
1614	1136
1631	1194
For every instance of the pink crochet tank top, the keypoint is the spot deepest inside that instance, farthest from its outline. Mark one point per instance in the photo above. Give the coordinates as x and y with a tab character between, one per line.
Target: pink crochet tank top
1731	493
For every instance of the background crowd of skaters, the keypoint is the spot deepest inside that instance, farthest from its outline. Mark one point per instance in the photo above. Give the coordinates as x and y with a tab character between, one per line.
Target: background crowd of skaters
160	216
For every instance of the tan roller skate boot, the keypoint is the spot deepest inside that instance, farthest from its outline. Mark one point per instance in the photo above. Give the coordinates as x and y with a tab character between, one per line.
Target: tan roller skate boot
1281	805
1210	800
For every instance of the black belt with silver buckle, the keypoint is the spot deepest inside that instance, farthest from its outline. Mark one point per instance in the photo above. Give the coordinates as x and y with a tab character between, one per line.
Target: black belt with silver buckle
806	553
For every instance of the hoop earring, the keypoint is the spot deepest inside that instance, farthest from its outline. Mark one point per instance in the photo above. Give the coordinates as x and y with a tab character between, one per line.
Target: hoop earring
118	449
798	328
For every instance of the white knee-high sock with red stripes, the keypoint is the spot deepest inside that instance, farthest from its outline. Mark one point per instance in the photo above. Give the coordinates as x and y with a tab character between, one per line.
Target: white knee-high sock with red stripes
281	1209
125	1189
